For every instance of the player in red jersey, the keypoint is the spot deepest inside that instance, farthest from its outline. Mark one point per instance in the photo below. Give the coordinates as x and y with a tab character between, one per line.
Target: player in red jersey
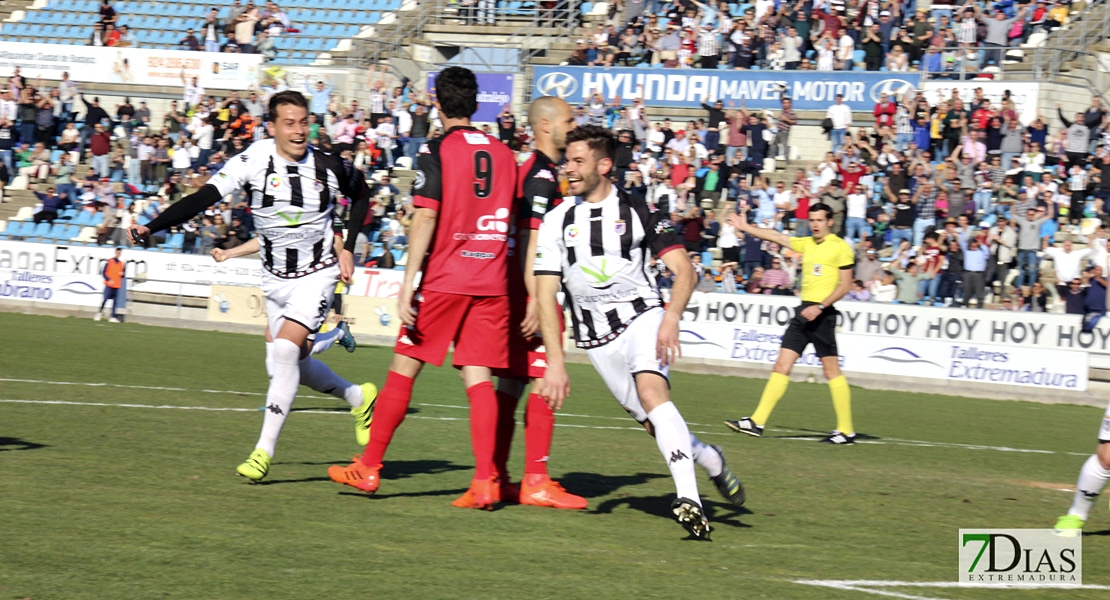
464	199
537	190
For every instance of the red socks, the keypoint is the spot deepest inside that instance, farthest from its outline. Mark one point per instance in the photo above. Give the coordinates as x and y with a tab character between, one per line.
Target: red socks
483	427
506	426
539	423
389	411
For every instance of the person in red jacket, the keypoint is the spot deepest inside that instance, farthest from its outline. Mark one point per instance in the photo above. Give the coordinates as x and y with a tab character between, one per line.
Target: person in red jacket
884	111
113	281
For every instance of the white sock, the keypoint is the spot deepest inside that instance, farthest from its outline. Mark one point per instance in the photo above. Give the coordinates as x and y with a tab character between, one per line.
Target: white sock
285	378
321	378
1092	478
673	438
706	457
269	359
324	341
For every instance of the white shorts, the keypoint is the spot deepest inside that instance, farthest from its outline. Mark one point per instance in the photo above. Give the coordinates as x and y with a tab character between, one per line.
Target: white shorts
303	300
633	352
1104	431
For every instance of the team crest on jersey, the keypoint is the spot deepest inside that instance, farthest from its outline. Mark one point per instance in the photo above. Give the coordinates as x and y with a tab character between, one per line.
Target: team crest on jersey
545	174
274	182
620	227
420	180
318	186
817	269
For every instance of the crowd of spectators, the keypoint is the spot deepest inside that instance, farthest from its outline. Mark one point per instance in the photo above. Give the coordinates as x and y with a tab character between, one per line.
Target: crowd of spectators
46	132
248	29
949	39
951	203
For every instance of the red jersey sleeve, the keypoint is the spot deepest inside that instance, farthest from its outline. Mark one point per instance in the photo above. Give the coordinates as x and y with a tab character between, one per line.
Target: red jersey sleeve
428	187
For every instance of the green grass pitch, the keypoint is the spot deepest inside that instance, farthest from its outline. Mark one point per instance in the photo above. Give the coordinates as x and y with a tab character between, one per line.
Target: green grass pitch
103	500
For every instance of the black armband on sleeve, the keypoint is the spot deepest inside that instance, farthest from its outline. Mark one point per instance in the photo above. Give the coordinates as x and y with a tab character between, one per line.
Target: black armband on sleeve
186	208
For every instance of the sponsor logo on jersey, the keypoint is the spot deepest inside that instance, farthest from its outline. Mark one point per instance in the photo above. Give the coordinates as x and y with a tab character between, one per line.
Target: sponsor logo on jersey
291	219
817	269
498	221
274	182
221	175
476	139
620	227
421	179
478	255
599	272
544	174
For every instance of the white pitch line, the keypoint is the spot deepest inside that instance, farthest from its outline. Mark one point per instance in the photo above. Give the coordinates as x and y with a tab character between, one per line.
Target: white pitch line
884	441
869	586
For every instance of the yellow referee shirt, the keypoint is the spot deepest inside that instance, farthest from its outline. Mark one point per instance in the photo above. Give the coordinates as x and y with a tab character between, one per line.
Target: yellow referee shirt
821	264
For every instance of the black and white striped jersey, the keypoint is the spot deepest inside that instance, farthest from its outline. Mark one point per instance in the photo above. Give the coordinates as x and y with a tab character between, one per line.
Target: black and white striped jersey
602	251
292	203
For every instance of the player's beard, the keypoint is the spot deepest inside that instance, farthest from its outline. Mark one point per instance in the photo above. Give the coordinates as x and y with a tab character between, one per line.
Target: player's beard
590	181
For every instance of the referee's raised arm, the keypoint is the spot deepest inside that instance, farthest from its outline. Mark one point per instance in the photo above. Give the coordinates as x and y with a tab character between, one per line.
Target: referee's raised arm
739	222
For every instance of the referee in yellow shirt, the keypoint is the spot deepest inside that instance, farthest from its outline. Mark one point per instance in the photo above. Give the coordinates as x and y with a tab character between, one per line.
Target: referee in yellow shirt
827	265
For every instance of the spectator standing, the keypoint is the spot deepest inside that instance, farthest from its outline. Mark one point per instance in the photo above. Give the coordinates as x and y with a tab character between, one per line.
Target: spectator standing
1029	243
211	30
321	97
840	117
113	274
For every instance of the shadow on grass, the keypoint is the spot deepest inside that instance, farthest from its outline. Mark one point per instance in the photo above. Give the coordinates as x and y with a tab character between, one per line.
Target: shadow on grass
719	513
8	444
1103	533
595	485
302	480
424	494
812	434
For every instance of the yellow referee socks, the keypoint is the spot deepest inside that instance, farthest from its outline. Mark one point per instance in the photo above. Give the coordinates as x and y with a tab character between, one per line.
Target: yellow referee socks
842	404
772	393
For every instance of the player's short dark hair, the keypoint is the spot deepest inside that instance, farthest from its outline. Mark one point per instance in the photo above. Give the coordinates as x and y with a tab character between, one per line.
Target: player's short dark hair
600	140
821	206
457	92
292	97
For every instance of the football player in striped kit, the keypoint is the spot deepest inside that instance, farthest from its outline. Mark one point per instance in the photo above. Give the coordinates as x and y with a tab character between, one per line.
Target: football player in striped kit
598	247
293	189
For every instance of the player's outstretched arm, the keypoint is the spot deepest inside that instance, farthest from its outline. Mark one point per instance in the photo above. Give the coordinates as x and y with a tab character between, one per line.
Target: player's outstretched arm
420	239
248	247
556	383
667	347
177	213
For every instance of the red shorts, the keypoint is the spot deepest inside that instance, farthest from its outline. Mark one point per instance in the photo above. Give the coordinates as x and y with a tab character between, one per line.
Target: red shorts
527	356
476	324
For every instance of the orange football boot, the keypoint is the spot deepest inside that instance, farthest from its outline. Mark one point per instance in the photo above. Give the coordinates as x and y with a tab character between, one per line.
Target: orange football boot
541	490
357	475
508	492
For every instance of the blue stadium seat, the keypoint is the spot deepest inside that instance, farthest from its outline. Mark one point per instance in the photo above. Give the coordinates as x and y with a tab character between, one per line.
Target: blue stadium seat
174	243
857	56
10	230
57	231
27	230
97	219
68	214
41	230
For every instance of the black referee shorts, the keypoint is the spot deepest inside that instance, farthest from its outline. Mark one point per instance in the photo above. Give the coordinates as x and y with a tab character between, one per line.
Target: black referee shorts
821	332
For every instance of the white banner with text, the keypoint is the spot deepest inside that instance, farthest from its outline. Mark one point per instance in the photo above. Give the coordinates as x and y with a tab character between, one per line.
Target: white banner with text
141	66
1034	349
